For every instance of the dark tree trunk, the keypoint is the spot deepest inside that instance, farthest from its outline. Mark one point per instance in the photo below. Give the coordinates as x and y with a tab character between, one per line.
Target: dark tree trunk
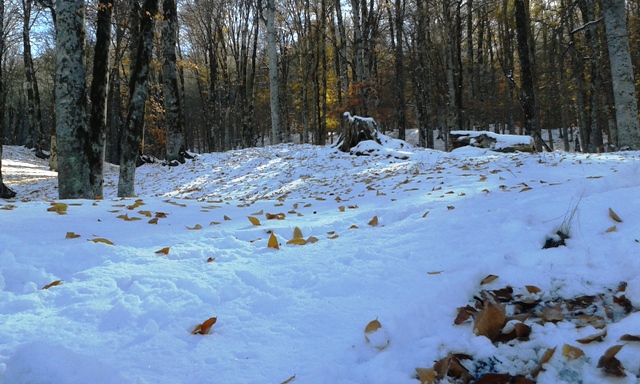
4	191
527	98
36	130
132	132
71	100
98	119
401	119
172	101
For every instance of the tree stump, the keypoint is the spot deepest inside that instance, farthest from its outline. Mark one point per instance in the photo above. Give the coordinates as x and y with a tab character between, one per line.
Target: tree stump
492	141
358	129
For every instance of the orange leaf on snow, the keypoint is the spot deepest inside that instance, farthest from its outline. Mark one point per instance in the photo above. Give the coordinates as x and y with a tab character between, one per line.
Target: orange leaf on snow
101	240
57	282
254	220
490	320
571	352
273	242
488	279
71	235
163	251
427	375
204	328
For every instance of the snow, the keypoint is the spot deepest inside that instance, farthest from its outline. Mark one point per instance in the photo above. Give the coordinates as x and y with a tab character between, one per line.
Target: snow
502	140
124	313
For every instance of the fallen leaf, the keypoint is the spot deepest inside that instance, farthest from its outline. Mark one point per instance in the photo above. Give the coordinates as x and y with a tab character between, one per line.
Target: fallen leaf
373	326
297	233
211	260
59	208
434	272
490	320
544	360
254	220
275	216
126	217
55	283
426	375
145	213
71	235
425	214
571	352
464	314
532	289
488	279
273	242
629	338
611	229
333	237
153	221
374	221
161	215
258	213
204	328
341	208
297	241
101	240
610	364
353	226
526	189
312	239
614	216
595	337
289	380
194	228
163	251
226	218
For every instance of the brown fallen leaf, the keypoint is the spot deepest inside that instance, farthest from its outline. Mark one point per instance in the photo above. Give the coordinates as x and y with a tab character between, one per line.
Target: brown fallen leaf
163	251
532	289
610	364
600	336
254	220
297	233
488	279
71	235
55	283
153	221
211	260
571	352
464	314
101	240
614	216
450	366
126	217
629	338
544	360
341	208
161	215
204	328
426	375
195	227
273	242
297	241
611	229
374	221
275	216
490	320
226	218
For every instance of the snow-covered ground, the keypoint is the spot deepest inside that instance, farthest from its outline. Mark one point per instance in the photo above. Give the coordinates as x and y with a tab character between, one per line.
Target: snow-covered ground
406	242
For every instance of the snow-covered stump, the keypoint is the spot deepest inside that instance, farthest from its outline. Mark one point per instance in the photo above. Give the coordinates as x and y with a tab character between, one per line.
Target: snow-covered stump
358	129
492	141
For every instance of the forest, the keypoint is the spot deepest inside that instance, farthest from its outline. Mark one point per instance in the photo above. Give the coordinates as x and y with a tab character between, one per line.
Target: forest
111	80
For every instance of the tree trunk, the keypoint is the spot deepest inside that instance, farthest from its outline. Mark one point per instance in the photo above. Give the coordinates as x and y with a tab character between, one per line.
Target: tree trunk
274	98
34	111
132	132
5	192
401	119
527	99
71	101
98	119
171	94
624	91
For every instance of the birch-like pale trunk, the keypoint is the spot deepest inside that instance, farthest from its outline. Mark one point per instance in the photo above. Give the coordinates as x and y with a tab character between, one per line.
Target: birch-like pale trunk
171	94
624	92
99	91
132	132
71	100
274	98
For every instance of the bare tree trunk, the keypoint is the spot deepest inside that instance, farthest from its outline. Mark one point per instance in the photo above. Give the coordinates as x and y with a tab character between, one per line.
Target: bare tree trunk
34	111
132	132
5	192
71	100
401	118
624	92
274	98
98	119
171	94
527	99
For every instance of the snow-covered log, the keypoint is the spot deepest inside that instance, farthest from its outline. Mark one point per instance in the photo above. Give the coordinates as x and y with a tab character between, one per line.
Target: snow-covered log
358	129
492	141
